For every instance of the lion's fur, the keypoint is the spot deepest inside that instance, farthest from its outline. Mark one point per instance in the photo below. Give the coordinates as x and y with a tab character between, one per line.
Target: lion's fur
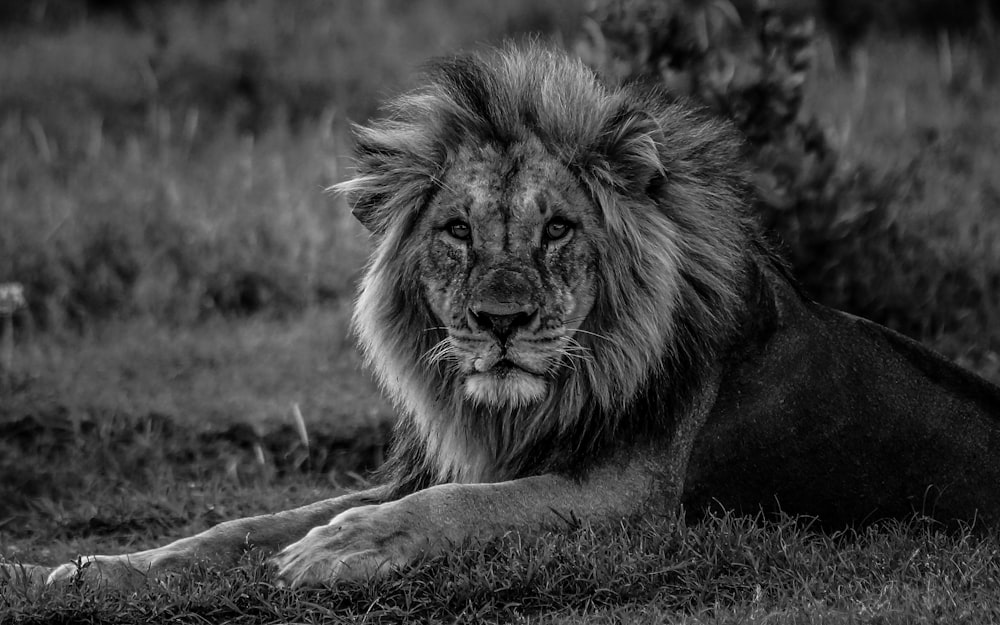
671	192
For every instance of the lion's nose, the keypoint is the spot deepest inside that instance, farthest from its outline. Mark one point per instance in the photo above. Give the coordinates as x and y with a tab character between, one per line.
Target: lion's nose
501	320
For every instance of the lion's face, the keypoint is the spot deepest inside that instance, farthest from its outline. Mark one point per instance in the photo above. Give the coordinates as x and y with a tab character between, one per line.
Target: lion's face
507	270
547	248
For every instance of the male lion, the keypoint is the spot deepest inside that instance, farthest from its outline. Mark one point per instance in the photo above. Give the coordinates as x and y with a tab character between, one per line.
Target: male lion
567	295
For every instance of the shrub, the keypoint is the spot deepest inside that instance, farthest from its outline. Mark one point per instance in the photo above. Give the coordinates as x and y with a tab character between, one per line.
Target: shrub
838	223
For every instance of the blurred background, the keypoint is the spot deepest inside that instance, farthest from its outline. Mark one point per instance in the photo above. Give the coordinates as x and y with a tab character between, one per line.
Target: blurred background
187	280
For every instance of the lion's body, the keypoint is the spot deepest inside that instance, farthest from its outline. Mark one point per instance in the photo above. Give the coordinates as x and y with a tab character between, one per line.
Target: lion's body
829	415
566	296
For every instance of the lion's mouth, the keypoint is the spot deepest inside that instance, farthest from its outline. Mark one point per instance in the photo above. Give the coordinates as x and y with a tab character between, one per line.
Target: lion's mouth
502	367
506	366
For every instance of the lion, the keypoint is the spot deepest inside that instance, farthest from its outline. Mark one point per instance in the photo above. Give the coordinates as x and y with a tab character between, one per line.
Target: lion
573	308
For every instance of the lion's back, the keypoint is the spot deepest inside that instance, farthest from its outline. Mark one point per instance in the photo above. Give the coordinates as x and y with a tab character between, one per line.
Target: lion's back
836	417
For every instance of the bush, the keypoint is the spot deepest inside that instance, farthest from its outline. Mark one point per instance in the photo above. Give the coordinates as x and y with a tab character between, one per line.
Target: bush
837	223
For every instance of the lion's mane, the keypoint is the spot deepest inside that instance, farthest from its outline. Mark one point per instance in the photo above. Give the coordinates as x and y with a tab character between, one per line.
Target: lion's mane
672	273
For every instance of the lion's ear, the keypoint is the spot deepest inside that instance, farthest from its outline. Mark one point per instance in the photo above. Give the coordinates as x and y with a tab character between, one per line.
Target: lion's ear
631	144
378	206
363	198
367	215
383	193
397	165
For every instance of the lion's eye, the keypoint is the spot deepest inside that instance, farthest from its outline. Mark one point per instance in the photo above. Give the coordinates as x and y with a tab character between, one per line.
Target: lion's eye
557	229
459	229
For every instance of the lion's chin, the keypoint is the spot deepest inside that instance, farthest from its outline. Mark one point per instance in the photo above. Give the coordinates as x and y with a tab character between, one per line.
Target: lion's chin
512	387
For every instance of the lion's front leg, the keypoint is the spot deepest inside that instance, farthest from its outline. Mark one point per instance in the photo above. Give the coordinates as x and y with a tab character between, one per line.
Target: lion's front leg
374	540
222	545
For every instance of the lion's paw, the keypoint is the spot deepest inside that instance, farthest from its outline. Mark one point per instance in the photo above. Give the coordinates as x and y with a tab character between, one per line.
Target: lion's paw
122	571
23	574
359	544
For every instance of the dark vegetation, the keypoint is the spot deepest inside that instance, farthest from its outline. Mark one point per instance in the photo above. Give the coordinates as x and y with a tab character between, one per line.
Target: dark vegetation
837	222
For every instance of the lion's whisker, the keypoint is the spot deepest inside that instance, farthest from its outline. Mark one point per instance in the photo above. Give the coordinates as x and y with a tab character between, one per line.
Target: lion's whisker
578	357
567	363
439	351
574	345
581	354
589	333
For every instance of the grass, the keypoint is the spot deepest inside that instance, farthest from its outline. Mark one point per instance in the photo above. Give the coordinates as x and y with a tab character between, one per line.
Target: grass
159	228
721	570
189	280
99	430
176	170
248	371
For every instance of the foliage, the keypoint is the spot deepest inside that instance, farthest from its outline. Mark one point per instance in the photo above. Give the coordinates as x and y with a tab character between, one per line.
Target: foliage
837	221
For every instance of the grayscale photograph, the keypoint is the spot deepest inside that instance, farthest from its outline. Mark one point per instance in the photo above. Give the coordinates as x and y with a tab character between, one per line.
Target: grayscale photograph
520	311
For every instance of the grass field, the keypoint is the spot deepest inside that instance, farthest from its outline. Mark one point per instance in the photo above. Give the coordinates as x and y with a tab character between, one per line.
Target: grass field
189	282
722	570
